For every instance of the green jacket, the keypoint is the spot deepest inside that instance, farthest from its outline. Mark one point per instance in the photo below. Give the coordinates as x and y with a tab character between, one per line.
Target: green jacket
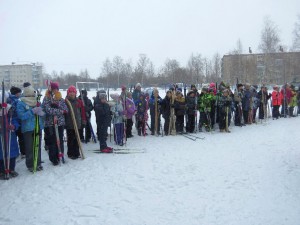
205	102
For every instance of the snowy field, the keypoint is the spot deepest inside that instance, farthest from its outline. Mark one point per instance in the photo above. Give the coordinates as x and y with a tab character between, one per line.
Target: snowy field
248	177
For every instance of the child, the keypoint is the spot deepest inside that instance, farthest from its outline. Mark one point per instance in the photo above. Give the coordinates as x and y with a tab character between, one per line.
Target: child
129	112
117	111
179	105
224	104
166	111
204	103
141	114
103	118
79	113
191	106
88	107
7	171
28	110
154	104
55	108
276	102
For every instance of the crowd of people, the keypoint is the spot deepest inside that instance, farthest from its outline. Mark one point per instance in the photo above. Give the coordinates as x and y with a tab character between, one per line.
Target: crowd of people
178	112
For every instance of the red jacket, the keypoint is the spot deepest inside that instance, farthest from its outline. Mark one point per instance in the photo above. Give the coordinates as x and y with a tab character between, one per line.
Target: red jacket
276	98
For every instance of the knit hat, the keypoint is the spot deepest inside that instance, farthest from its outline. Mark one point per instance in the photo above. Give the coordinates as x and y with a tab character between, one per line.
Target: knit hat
193	86
204	89
102	96
71	89
138	85
26	84
29	91
212	85
114	96
240	85
15	90
84	92
123	87
54	85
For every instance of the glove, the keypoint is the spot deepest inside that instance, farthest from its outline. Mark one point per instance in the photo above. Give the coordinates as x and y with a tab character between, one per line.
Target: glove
11	127
4	105
54	105
38	111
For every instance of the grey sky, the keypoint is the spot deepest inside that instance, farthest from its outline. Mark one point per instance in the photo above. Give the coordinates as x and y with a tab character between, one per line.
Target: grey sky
72	35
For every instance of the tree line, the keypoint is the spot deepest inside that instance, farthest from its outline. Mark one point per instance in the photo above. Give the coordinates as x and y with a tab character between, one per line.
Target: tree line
198	69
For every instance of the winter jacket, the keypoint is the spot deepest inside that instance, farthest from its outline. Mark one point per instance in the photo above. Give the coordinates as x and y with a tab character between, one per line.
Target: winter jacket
286	92
118	112
190	103
130	108
246	100
152	104
179	105
103	114
293	101
88	105
223	103
205	102
13	101
14	146
276	98
27	117
141	110
165	107
55	106
79	113
263	97
136	95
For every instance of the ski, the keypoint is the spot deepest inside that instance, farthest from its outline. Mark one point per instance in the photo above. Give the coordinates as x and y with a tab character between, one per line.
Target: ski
36	136
194	136
189	137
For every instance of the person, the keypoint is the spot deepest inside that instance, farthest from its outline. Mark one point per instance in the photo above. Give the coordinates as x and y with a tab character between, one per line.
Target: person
190	106
55	109
246	104
154	105
88	107
136	93
80	117
166	111
14	99
204	103
7	171
142	114
103	118
276	102
238	96
286	94
293	101
263	97
179	106
224	104
255	102
28	110
129	112
118	119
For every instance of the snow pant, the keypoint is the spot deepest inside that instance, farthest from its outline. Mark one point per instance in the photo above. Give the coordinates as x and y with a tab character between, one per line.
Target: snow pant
167	124
284	108
222	121
12	165
102	136
262	111
246	116
141	127
119	133
238	116
190	126
254	115
153	124
179	123
275	111
72	144
291	111
28	142
52	142
203	121
212	116
87	131
129	125
21	141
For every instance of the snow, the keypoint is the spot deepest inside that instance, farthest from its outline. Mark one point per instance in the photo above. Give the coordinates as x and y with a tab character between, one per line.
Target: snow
250	176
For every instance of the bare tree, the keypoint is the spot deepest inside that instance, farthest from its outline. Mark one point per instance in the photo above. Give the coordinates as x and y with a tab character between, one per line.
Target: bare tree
269	37
141	68
296	33
195	66
170	67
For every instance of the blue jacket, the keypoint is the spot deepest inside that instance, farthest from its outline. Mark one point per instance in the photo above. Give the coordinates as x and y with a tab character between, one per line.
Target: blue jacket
27	117
152	104
14	146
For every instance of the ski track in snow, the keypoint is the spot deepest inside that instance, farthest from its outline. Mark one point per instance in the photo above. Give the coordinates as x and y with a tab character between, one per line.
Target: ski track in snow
250	176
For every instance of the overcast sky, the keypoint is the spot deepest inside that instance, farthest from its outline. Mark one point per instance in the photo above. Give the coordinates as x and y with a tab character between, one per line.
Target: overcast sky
72	35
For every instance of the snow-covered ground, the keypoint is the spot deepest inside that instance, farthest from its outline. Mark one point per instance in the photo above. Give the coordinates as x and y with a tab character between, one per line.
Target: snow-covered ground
250	176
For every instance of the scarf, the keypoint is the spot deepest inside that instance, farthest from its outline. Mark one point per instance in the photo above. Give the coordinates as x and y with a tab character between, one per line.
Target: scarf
31	101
